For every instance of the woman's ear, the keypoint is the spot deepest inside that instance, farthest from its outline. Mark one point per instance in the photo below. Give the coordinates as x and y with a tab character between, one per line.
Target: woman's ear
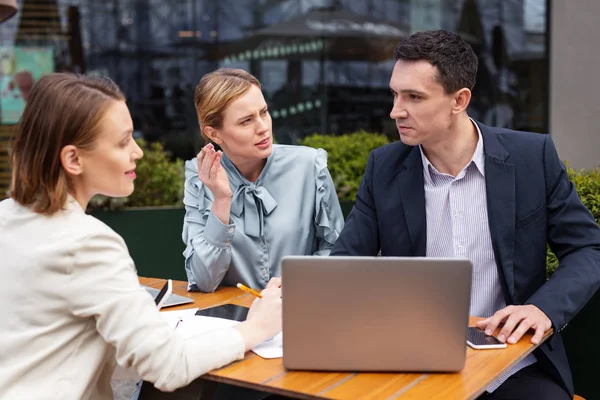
212	134
71	160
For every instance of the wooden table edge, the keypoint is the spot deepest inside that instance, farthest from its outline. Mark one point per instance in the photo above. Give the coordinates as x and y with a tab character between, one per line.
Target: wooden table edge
527	352
262	387
421	379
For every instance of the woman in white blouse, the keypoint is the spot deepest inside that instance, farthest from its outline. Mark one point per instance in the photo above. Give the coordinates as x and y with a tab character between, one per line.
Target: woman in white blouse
72	305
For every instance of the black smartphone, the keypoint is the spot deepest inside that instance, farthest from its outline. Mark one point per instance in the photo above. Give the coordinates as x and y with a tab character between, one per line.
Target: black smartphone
226	311
477	339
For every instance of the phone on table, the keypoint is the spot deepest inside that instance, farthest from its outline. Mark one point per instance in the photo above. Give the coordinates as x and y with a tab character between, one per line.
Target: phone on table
162	296
477	339
226	311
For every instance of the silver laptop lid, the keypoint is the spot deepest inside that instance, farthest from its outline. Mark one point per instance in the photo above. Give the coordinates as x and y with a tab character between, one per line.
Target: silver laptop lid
375	313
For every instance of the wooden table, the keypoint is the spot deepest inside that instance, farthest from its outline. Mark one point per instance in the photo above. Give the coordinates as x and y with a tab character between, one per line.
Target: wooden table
254	372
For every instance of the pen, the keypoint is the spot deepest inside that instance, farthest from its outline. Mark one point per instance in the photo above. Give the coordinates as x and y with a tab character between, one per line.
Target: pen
248	290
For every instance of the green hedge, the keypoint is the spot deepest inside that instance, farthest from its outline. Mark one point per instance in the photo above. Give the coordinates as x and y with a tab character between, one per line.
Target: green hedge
160	181
348	155
587	183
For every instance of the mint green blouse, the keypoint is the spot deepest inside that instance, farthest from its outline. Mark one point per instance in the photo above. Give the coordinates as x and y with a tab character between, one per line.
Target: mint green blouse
292	209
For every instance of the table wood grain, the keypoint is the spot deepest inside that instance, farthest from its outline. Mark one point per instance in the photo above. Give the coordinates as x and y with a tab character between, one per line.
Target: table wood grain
481	366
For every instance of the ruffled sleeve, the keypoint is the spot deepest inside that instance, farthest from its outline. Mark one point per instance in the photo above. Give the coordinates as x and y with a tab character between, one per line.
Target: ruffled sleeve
207	239
194	195
329	219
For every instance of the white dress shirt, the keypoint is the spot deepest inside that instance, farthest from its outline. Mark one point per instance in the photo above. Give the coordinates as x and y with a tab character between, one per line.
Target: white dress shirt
458	226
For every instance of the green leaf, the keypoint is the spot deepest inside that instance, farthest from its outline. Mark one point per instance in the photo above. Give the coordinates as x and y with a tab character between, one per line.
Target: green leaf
587	184
348	155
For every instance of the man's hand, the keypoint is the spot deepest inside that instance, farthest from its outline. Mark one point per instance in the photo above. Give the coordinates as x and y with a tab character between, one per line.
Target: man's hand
517	320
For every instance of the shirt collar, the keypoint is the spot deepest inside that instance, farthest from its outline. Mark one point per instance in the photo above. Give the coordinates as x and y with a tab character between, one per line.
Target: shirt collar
478	157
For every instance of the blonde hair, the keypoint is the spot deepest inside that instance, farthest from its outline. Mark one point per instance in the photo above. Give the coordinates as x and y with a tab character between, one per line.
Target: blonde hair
217	90
62	109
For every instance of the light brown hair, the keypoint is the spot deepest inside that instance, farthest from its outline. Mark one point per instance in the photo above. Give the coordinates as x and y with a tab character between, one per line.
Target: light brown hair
62	109
217	90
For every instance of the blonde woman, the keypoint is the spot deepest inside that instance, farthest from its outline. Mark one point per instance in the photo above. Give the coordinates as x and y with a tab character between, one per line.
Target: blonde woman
254	202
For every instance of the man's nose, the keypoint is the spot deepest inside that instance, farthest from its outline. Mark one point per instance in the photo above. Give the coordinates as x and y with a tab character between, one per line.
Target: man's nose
398	111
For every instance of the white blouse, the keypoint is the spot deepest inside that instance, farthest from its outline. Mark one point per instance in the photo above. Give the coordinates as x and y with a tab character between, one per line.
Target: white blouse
72	308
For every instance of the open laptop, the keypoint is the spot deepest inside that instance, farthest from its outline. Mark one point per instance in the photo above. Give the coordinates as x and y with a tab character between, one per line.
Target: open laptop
375	313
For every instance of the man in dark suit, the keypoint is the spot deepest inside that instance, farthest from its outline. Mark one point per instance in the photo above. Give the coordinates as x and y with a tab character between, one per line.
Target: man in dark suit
453	187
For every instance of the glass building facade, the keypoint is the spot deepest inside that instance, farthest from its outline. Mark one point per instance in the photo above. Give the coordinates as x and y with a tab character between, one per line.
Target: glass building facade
324	64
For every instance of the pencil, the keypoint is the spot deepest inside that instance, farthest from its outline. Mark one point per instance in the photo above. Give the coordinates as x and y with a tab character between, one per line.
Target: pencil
248	290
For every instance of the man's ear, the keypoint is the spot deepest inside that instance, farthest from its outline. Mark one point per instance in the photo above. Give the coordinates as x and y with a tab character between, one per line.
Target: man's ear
462	98
71	160
212	134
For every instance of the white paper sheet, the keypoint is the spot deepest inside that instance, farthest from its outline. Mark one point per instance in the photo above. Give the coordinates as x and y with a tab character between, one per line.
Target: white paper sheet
172	317
272	348
187	324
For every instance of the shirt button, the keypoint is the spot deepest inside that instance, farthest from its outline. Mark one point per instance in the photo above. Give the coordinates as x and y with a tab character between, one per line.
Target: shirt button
230	230
264	271
228	242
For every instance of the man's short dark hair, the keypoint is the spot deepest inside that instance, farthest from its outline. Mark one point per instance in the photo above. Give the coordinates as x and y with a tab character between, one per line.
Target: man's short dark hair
454	58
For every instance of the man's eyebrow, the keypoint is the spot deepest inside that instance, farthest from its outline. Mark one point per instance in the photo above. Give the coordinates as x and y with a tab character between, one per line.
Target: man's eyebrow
413	91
